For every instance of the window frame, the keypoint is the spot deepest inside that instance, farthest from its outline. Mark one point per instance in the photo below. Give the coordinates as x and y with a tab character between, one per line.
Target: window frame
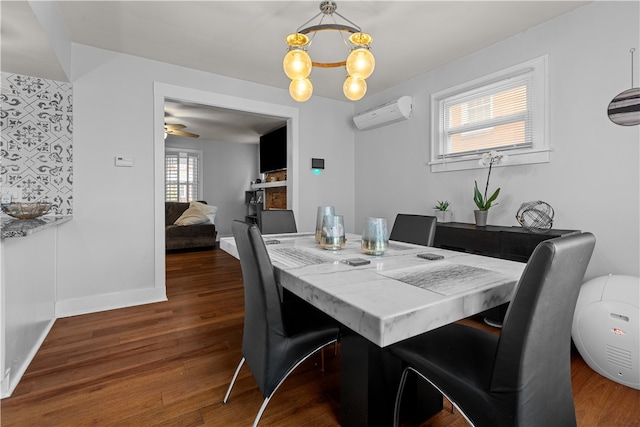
539	149
191	153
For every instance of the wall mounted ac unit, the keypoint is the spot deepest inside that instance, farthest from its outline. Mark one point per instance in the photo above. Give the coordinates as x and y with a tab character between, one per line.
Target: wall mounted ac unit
394	111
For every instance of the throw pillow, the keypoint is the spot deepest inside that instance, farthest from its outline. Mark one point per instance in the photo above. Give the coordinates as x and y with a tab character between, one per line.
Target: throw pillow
197	213
208	210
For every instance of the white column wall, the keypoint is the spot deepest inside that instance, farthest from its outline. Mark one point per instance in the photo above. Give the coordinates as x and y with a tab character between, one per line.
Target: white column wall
28	301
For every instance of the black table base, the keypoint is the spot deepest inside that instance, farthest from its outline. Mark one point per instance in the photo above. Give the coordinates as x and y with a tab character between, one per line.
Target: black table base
369	379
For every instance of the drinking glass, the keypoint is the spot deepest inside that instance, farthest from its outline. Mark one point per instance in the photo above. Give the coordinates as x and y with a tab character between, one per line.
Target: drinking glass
322	211
375	238
332	234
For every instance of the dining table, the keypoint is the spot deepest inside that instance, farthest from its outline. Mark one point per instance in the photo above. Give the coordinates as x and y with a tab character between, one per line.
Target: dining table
381	300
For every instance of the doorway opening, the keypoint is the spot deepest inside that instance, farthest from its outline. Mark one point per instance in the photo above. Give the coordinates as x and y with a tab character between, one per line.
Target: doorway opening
163	92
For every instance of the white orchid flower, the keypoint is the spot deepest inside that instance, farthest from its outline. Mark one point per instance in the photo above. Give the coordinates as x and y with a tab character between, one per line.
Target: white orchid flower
488	159
492	157
485	160
497	157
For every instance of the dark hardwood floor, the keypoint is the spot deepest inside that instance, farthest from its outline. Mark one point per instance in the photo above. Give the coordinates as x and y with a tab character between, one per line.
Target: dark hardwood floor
170	363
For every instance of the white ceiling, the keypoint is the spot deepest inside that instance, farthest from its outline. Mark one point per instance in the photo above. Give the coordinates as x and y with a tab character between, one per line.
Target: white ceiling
218	124
246	39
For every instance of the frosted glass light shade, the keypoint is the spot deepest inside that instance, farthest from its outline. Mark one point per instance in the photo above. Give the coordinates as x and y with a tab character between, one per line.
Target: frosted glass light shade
360	63
354	89
297	64
301	89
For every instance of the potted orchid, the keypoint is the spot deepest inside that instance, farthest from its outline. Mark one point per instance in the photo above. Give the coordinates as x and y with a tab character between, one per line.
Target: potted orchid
482	201
441	211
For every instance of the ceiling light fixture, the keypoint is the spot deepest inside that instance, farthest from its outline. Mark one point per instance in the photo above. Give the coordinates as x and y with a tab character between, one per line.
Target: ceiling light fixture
360	63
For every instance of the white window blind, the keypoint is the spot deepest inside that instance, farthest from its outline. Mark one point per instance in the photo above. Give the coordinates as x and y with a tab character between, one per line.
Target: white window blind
505	111
182	175
495	116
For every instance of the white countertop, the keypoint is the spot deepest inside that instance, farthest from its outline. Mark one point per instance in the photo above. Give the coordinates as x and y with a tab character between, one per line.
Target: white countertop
376	300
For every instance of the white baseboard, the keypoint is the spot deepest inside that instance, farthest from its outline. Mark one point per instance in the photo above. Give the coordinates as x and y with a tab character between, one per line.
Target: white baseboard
96	303
10	381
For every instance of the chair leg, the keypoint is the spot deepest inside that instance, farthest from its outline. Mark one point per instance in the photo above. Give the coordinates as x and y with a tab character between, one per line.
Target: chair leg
335	353
396	408
284	377
262	408
454	405
233	381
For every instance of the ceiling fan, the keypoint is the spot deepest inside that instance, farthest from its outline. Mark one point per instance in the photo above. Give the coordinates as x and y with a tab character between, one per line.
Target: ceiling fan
175	130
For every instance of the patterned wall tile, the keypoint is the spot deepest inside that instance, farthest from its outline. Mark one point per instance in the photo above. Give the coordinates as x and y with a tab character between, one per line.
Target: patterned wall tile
36	119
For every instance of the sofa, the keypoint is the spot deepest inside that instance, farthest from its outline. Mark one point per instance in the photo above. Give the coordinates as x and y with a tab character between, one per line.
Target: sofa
189	225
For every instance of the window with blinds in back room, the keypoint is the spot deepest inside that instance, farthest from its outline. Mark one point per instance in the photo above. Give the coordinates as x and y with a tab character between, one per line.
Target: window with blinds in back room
182	175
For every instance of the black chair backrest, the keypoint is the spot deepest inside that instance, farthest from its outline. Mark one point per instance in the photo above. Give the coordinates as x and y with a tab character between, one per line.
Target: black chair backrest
277	221
416	229
533	354
264	331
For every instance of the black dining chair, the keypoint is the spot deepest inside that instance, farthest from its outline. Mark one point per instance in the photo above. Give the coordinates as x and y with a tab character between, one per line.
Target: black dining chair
274	342
416	229
276	221
522	377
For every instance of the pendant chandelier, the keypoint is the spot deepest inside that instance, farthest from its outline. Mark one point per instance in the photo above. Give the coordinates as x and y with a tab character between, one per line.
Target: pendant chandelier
359	65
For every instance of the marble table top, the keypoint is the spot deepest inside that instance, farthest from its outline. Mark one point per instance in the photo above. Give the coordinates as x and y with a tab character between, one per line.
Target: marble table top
12	227
397	295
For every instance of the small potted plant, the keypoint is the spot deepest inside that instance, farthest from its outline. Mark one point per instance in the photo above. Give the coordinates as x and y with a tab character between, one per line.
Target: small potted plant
441	211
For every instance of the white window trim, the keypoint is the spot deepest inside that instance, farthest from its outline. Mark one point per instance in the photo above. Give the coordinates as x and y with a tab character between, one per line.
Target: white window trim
199	153
539	152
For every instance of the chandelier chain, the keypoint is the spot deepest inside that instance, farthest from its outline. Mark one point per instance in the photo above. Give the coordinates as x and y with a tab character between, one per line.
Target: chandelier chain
632	50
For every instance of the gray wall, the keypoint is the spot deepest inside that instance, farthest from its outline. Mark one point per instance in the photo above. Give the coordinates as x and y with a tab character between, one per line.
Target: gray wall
592	181
108	255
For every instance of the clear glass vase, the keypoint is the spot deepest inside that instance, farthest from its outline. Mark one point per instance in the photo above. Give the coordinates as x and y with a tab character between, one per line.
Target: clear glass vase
322	211
332	236
375	237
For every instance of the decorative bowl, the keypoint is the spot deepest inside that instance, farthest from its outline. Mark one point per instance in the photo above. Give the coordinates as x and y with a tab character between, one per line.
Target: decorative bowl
26	210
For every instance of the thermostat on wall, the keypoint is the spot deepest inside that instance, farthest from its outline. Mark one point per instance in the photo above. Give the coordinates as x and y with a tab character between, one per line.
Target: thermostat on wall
124	161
